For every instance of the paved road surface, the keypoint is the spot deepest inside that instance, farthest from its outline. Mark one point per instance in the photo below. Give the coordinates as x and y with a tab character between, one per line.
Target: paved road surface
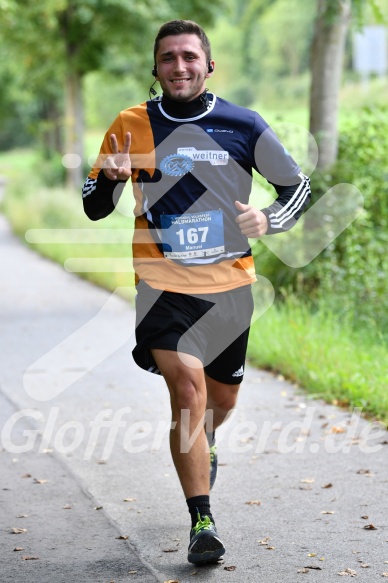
85	458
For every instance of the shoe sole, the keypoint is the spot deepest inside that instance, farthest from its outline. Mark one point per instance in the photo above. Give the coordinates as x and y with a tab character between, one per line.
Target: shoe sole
208	550
205	557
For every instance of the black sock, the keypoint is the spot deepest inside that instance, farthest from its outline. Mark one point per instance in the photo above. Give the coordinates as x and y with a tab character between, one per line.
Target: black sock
199	504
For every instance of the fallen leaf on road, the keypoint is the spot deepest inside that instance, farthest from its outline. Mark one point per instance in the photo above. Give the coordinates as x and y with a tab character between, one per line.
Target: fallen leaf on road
365	517
367	473
129	500
122	537
313	567
253	502
98	507
337	429
370	527
246	439
304	570
19	549
385	574
327	511
270	548
67	507
26	476
26	558
132	572
364	565
349	572
22	516
36	481
327	485
264	541
170	550
172	581
18	530
308	481
231	568
312	555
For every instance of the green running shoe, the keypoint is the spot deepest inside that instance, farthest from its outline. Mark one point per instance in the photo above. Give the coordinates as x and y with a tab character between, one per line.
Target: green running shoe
205	545
213	465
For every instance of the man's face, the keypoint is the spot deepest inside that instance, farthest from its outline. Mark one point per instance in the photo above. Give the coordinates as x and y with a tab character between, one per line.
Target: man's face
182	67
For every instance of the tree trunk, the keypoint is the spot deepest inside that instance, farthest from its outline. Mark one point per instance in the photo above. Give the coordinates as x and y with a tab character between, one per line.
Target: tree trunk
74	129
327	55
51	127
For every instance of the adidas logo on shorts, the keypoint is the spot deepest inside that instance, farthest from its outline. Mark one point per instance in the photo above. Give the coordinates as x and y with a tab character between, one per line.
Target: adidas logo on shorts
239	372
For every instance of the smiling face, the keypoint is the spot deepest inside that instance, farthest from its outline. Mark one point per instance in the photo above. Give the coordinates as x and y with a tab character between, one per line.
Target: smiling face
182	67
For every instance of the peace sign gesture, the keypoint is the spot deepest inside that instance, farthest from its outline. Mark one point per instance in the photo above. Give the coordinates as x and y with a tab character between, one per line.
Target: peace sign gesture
118	165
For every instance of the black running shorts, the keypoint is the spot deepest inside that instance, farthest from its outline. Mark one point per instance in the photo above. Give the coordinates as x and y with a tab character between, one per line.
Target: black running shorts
212	327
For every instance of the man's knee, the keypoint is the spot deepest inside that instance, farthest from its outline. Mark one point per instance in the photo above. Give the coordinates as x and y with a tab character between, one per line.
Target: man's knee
186	383
186	394
222	396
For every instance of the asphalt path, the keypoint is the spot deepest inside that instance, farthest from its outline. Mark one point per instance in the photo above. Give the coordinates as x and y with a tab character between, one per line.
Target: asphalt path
87	478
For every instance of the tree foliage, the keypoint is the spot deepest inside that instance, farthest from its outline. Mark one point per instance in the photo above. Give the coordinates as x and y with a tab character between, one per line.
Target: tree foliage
332	22
57	42
280	39
47	49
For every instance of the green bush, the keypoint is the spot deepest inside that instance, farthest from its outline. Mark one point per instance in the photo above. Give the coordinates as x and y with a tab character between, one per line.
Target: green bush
353	270
350	275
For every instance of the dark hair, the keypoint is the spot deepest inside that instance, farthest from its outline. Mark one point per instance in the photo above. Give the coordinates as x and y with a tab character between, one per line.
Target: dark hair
176	27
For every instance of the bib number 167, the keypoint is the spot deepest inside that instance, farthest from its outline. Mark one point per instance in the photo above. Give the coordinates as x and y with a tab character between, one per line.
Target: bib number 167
193	235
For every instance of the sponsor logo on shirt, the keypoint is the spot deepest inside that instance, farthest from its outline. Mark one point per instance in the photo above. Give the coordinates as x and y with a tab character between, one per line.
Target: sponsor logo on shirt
183	161
215	157
176	165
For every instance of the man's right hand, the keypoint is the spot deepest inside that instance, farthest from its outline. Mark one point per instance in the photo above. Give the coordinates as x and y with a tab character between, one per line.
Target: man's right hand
117	166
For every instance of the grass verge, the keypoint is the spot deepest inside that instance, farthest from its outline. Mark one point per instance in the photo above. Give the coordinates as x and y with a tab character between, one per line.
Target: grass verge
324	354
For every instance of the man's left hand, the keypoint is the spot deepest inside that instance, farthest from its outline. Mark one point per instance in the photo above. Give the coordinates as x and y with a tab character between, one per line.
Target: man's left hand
252	222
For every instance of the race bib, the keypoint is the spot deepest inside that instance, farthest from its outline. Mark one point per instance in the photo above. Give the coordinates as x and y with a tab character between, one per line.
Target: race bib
193	235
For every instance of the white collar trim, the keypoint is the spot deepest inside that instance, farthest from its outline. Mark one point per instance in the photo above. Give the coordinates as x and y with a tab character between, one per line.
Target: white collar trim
209	109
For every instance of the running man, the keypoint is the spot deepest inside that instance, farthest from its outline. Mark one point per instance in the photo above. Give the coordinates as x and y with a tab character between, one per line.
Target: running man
190	156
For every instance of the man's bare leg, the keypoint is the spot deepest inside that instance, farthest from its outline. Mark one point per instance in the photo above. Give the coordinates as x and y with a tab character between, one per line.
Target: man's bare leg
187	388
221	399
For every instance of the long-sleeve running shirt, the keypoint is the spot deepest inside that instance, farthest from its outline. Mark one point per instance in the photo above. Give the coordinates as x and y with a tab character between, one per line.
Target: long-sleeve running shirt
190	164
